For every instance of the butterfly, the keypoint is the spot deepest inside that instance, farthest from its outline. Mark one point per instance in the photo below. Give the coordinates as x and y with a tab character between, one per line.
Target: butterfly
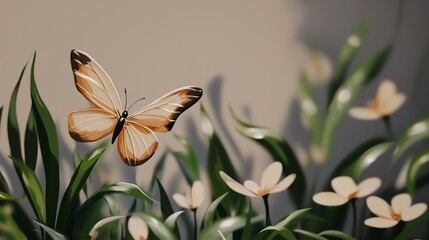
137	141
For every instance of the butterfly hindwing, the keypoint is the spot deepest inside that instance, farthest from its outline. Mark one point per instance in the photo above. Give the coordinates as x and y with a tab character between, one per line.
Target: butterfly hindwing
161	115
136	144
94	83
90	124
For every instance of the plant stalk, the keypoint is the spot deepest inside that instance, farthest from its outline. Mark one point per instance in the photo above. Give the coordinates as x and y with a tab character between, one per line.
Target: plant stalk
388	125
267	210
353	202
195	223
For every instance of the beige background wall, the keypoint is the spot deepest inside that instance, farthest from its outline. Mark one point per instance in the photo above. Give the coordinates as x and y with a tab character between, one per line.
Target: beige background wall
255	50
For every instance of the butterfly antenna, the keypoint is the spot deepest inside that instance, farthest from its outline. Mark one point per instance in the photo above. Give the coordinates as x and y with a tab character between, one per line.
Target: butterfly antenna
135	103
126	98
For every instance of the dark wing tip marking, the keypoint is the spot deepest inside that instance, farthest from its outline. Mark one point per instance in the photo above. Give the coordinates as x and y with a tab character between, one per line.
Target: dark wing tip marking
78	58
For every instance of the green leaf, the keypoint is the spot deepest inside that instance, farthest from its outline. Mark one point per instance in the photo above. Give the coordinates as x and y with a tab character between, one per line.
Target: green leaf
280	151
8	227
32	187
415	133
166	208
226	226
293	218
124	188
417	165
211	211
7	197
347	93
275	231
172	219
103	224
336	234
12	123
158	169
247	231
187	159
70	198
219	160
310	110
31	142
112	204
51	232
49	148
159	228
347	53
411	227
309	235
366	159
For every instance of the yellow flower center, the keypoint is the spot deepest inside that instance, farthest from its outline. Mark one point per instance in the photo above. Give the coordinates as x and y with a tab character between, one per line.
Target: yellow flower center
352	195
375	106
396	217
263	192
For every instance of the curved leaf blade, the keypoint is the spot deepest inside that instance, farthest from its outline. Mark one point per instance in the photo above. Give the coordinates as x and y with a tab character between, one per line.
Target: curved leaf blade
32	187
103	224
124	188
166	208
293	218
51	232
347	93
280	150
7	197
309	235
8	226
31	142
226	226
47	135
159	228
211	210
172	219
347	53
415	133
70	198
310	110
187	159
417	165
336	234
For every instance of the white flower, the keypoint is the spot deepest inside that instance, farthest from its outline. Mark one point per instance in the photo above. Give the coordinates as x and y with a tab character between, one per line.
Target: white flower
318	67
345	190
269	182
387	101
194	197
138	228
389	215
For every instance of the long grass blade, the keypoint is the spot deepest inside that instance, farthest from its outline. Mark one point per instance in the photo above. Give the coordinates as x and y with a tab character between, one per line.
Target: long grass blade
71	196
47	134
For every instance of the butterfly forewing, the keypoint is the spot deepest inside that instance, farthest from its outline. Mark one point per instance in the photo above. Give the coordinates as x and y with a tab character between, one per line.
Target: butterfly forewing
136	144
90	124
94	83
161	115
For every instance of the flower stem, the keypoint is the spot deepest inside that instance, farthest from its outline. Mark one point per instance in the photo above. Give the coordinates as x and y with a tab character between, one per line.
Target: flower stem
387	124
195	223
267	210
353	202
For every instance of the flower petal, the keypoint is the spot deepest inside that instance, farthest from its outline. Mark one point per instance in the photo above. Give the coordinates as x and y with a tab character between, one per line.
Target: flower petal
386	91
393	104
252	186
234	185
197	193
401	203
344	185
368	186
285	183
414	212
379	207
271	175
363	113
329	199
379	222
137	228
181	200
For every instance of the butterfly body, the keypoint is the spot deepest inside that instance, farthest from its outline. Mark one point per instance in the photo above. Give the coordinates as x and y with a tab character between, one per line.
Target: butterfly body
119	125
135	135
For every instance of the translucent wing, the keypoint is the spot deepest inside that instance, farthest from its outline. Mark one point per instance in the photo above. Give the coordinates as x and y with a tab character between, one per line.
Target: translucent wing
136	144
94	83
90	124
161	115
